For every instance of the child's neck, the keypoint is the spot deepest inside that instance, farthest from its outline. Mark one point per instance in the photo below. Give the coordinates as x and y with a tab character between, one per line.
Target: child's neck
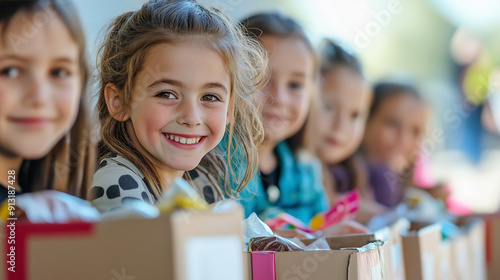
7	164
167	176
267	159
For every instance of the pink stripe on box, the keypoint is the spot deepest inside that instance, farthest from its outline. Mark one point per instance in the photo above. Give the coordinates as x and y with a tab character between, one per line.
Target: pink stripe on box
263	266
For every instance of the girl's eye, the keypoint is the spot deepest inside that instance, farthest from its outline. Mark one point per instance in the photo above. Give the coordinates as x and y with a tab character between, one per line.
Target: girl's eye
166	95
295	85
392	123
210	98
60	73
328	107
11	72
354	115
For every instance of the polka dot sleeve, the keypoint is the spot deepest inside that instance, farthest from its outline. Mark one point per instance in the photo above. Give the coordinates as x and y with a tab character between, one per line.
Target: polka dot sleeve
113	185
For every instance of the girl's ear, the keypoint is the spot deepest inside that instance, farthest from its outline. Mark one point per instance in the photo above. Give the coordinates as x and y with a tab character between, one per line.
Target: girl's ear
114	103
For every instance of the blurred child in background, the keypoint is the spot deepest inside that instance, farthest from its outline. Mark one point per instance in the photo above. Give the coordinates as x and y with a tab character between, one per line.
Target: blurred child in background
340	120
289	180
394	133
45	129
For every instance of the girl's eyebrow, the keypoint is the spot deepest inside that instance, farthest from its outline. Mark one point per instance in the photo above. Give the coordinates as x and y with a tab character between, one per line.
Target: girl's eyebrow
25	59
215	85
13	57
64	59
182	85
167	81
298	74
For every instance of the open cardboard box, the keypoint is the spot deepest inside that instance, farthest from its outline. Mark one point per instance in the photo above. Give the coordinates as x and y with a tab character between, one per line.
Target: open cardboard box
493	245
352	257
468	249
180	245
427	256
421	251
393	254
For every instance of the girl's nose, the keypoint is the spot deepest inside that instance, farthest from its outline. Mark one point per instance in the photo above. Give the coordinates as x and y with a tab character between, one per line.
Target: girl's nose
37	91
189	114
279	94
340	120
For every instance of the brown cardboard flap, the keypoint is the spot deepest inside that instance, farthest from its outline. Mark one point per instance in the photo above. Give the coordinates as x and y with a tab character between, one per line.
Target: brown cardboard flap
352	257
345	241
138	248
320	265
420	250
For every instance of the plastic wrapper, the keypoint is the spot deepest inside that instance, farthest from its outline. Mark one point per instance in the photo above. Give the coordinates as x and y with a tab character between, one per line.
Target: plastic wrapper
319	244
50	206
254	227
133	209
272	243
298	242
181	195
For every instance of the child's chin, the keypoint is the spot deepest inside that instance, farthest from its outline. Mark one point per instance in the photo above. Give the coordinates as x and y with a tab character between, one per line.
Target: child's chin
185	166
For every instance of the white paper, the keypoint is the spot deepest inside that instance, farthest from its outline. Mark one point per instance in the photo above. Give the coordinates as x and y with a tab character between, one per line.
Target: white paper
214	258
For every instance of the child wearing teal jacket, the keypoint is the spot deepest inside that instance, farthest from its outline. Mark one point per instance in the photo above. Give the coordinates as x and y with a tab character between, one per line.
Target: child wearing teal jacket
287	180
300	188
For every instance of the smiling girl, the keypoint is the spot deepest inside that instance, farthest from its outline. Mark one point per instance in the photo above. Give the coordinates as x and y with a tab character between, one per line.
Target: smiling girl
175	76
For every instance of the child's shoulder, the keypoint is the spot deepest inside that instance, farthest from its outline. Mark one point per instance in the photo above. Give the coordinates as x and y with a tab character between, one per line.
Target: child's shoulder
116	163
205	183
117	180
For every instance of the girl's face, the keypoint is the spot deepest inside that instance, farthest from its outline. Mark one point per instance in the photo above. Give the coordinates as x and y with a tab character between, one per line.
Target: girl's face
40	86
287	94
344	107
396	130
180	104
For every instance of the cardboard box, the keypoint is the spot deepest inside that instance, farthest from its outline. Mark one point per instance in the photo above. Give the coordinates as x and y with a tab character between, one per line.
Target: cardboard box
461	257
468	249
493	246
352	257
181	245
421	250
393	254
477	247
444	263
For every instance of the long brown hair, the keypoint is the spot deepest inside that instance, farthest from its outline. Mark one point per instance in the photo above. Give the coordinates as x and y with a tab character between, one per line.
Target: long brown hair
123	53
69	166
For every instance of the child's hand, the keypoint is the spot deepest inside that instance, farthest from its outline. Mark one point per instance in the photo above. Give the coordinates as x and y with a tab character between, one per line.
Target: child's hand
291	233
345	228
51	206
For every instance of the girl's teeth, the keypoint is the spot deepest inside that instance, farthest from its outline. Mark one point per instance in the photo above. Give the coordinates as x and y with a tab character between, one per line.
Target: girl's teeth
183	140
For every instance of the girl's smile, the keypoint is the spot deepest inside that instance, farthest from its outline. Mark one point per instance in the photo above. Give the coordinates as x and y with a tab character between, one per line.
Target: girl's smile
184	141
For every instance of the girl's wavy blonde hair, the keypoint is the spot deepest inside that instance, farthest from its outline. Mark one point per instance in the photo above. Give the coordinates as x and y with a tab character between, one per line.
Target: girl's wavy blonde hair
123	53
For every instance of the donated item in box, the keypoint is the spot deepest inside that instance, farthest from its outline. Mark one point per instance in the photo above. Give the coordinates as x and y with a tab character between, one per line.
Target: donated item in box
351	257
421	248
393	252
180	245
